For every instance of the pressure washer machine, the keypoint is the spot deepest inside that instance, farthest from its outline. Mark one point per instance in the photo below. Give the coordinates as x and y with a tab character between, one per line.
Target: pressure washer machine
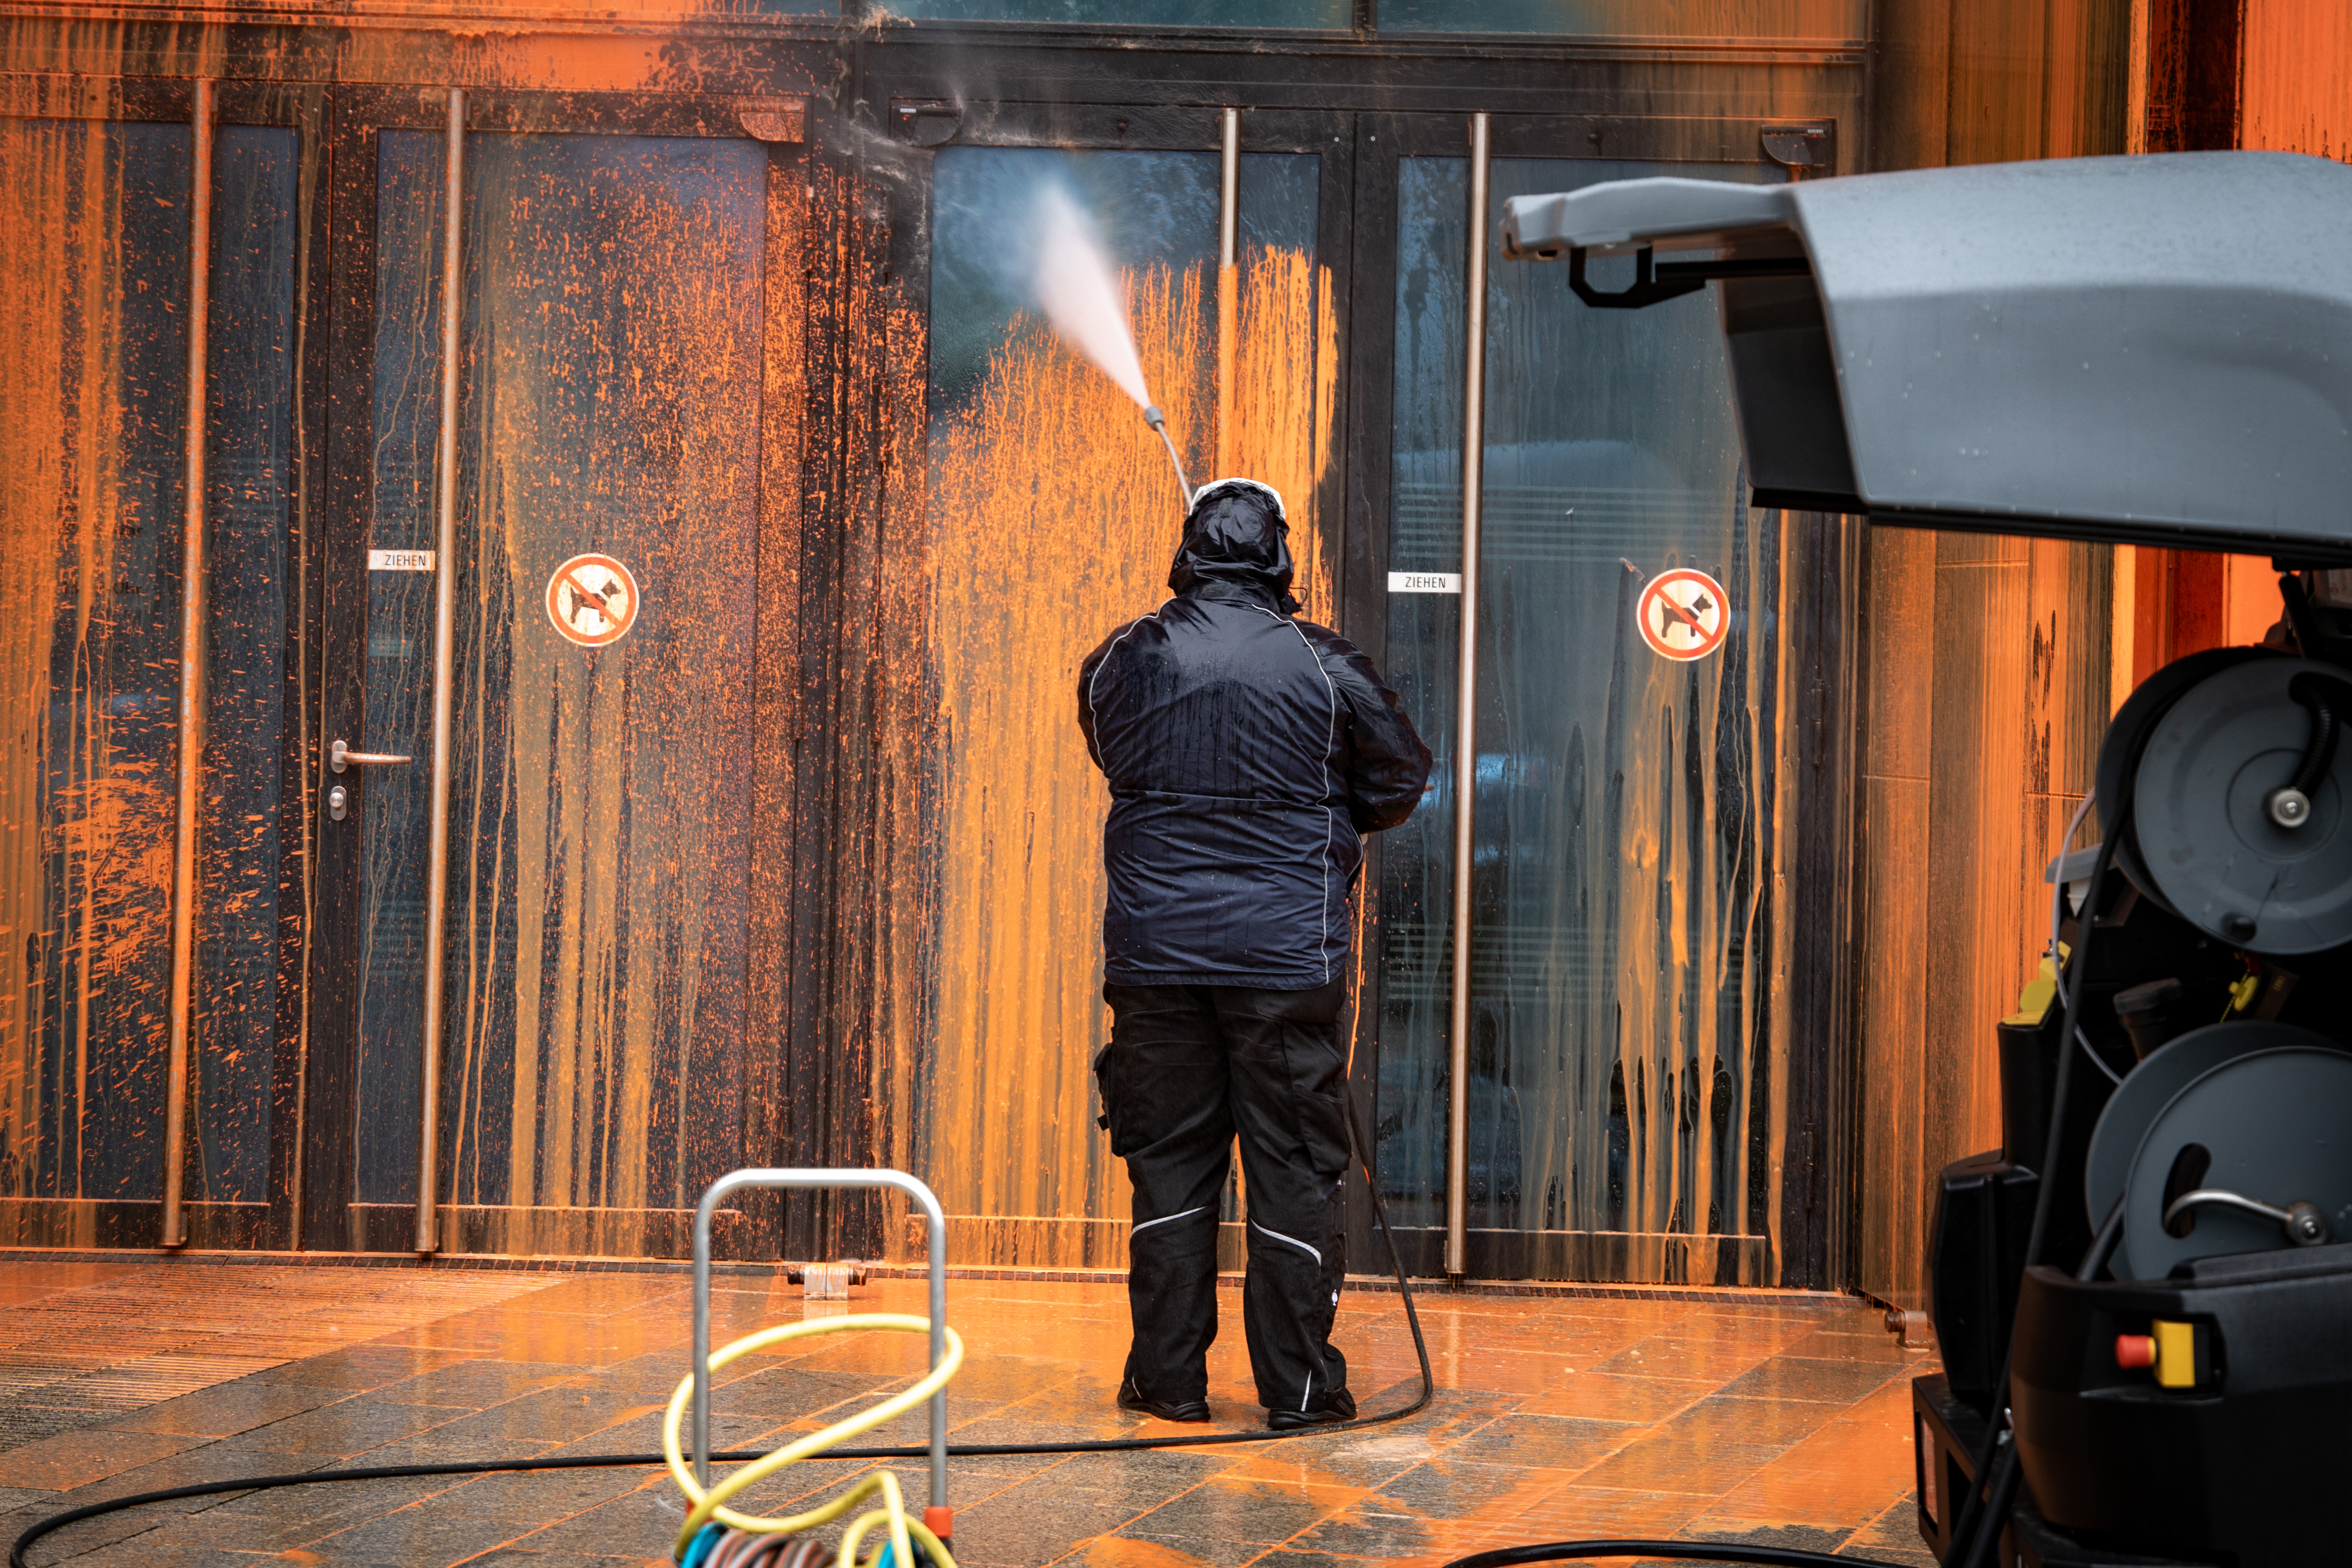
2144	1299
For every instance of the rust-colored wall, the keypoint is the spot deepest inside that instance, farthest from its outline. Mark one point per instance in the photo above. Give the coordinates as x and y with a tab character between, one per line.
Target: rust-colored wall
1992	665
1985	662
2295	93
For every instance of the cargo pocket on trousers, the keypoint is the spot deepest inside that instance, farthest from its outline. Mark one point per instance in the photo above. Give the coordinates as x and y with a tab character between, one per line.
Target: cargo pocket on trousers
1323	1129
1118	1117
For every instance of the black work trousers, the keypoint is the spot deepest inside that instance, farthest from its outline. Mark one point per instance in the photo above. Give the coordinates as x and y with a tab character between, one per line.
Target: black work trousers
1188	1068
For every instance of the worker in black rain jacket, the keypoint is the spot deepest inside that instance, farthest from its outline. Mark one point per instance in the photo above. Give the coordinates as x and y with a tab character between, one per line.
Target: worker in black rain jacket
1247	752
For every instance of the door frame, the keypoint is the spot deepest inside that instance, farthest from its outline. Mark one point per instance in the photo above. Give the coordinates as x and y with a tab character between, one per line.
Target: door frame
1101	123
1813	1219
270	1222
327	1218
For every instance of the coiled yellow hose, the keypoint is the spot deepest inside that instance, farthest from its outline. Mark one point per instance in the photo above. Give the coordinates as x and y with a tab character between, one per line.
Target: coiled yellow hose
709	1507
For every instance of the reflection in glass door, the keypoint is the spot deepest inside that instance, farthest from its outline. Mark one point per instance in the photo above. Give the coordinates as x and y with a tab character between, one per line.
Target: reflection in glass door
1626	926
598	882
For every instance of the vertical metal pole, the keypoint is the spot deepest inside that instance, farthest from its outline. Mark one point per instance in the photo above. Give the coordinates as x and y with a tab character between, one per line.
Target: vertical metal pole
193	599
445	639
1465	719
1229	293
1229	197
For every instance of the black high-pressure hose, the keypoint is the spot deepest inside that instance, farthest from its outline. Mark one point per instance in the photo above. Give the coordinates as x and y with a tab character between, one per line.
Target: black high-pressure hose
2311	690
40	1528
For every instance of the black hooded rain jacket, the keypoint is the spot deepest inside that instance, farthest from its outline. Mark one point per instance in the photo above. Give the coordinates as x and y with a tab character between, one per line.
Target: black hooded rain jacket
1246	752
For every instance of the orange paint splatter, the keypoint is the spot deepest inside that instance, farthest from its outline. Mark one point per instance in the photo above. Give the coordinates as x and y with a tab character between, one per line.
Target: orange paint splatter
85	765
1055	515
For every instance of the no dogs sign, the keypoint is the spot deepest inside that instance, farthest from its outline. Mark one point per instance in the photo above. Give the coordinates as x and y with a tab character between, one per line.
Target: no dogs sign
1683	614
592	600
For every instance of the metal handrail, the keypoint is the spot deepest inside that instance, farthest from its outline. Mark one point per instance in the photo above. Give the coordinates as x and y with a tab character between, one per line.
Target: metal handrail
736	1181
1465	713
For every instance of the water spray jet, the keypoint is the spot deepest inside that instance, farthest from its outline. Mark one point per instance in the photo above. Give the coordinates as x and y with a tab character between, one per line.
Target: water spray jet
1076	288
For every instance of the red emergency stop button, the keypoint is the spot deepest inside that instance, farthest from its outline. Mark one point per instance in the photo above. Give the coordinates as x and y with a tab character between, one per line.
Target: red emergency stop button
2135	1351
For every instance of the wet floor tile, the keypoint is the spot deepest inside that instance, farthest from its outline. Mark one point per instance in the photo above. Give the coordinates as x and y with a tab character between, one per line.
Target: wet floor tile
1855	1345
549	1415
329	1504
1894	1536
787	1393
1016	1531
1557	1418
1609	1396
1842	1474
1236	1509
645	1520
1459	1489
348	1426
226	1409
475	1383
1665	1463
420	1535
1136	1481
73	1458
361	1368
1581	1510
1369	1531
1755	1423
642	1433
1135	1547
1829	1381
1545	1442
1748	1532
430	1448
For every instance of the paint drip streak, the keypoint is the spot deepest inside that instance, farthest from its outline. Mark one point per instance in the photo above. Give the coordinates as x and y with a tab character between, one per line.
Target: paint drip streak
1055	518
89	499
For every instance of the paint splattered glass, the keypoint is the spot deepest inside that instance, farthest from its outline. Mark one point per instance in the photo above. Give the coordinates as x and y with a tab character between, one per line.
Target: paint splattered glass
1054	516
93	386
1624	922
599	861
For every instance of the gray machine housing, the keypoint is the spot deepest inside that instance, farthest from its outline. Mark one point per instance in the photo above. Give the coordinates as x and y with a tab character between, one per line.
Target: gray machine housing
2154	350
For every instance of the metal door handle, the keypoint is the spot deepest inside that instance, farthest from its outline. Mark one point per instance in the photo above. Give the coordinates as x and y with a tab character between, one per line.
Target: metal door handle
340	756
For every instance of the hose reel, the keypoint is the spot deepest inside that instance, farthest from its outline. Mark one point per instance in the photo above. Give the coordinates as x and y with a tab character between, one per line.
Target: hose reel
2223	776
2241	816
2221	1125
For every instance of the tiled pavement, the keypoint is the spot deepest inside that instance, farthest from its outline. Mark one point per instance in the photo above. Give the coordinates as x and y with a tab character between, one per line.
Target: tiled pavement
1556	1418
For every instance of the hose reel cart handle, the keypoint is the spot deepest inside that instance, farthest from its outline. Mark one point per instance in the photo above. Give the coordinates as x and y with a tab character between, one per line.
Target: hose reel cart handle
801	1181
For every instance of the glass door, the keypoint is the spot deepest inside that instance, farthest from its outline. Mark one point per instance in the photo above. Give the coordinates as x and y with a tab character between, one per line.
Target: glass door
605	496
95	241
1629	931
1053	517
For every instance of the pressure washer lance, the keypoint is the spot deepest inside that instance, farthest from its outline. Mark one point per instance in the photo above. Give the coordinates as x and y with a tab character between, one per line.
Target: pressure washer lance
1158	421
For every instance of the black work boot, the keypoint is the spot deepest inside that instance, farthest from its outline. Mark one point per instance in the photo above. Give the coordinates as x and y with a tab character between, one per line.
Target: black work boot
1166	1409
1337	1406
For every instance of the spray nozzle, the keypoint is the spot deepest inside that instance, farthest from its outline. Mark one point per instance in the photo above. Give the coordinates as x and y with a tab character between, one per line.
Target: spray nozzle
1159	422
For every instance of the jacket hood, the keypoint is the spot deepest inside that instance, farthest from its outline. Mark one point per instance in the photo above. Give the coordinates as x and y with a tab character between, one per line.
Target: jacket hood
1236	534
